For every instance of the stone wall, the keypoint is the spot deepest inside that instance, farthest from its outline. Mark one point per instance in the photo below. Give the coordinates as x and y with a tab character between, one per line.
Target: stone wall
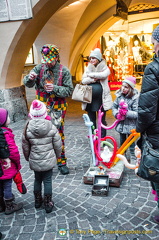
14	100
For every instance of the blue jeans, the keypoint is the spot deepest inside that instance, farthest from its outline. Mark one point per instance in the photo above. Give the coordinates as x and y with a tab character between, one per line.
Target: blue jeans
44	177
123	137
6	189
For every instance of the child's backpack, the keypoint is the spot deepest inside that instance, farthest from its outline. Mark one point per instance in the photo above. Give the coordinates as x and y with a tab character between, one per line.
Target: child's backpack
4	148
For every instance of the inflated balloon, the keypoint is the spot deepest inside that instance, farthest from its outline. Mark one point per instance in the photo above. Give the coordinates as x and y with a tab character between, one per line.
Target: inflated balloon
132	138
96	140
89	124
138	159
100	159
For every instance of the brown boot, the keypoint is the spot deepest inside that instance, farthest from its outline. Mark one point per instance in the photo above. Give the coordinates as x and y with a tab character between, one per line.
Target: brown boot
48	203
2	204
38	199
11	206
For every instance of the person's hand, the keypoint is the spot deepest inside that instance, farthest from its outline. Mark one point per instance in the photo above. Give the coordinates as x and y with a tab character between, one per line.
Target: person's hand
32	75
49	87
90	75
6	163
120	117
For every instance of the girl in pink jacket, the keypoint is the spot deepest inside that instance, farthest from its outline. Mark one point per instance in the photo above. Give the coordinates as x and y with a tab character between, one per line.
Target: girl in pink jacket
6	197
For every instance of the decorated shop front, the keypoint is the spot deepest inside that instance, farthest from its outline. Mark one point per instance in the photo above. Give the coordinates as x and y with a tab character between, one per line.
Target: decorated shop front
127	49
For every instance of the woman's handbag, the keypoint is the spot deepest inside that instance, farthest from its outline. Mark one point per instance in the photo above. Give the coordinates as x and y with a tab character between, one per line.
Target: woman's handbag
149	164
82	93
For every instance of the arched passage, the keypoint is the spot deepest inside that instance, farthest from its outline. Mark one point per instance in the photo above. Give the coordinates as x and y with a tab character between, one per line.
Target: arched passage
88	39
23	40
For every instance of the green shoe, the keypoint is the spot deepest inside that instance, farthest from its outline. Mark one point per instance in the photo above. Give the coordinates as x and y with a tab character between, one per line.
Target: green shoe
64	169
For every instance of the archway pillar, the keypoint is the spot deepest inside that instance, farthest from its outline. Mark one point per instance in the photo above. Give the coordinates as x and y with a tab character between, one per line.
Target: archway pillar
14	100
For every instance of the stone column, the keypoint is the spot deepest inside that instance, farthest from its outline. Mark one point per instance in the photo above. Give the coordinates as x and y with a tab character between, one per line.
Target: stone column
14	100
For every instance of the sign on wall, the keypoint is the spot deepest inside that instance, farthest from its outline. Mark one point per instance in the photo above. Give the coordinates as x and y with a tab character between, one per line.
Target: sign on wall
13	10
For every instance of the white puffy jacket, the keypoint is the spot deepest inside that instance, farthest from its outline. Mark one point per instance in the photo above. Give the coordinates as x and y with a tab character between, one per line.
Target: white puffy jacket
101	71
41	144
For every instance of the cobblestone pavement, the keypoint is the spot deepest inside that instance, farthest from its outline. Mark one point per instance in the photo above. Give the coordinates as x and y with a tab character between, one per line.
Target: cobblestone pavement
125	214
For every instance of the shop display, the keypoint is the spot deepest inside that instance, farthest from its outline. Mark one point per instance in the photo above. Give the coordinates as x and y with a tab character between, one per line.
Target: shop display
126	55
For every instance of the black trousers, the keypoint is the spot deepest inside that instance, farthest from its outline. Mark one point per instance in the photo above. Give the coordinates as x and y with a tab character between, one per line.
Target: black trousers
93	118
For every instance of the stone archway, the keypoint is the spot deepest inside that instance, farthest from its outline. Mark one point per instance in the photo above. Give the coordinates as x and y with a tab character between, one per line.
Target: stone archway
22	41
12	94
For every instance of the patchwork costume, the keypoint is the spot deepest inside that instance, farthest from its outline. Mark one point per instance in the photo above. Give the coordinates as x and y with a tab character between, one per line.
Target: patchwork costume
61	79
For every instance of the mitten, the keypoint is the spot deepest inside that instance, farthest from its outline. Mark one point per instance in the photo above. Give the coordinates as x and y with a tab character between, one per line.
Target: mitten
19	183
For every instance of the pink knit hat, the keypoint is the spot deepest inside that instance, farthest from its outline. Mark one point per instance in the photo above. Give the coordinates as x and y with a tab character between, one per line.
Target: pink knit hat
3	116
38	110
131	81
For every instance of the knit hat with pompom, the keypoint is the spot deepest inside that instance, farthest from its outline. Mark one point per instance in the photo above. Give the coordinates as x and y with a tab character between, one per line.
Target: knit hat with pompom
96	53
38	110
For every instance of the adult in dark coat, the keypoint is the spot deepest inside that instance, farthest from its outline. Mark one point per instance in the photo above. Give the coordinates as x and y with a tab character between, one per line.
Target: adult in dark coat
148	107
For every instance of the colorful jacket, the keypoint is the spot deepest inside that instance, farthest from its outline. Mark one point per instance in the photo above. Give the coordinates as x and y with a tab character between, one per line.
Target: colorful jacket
101	71
41	144
148	109
129	123
14	155
59	91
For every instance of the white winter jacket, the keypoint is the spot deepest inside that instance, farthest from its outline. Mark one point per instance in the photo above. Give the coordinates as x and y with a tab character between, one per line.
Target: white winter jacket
101	71
41	144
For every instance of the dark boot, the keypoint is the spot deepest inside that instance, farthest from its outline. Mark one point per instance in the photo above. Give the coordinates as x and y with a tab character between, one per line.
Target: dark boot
38	199
0	235
156	219
63	169
2	204
48	203
11	206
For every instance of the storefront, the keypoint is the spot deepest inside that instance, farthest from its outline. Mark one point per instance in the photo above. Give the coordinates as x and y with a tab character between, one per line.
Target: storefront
127	49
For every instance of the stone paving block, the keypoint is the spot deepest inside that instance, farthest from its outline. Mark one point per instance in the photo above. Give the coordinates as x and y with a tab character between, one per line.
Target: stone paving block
136	221
28	229
22	236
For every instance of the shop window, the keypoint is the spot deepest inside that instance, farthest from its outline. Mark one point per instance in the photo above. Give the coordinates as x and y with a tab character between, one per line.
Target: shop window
30	57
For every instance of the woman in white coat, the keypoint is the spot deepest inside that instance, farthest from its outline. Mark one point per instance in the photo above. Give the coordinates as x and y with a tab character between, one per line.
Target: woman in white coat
96	75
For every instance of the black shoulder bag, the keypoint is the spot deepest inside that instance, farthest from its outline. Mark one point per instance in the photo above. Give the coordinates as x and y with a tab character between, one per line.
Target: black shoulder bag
149	165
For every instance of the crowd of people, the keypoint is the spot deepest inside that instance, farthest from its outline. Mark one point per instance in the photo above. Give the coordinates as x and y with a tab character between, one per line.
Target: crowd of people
43	141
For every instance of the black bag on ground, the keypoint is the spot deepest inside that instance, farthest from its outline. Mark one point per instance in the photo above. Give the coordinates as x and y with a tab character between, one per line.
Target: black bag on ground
4	149
149	165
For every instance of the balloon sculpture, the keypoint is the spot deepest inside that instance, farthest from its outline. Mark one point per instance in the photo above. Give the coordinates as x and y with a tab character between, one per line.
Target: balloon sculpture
138	159
106	157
